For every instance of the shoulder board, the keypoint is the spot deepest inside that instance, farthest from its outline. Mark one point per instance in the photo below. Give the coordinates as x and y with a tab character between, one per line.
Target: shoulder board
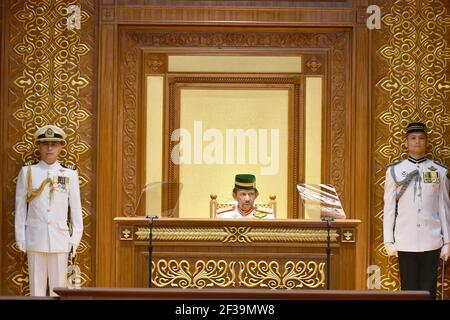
441	165
68	166
394	163
30	163
224	210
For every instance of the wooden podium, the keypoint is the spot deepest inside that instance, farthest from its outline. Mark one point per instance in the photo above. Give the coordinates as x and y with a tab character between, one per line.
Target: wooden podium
235	254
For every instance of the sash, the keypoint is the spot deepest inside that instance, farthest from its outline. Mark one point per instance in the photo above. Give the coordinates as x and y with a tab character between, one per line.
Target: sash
404	185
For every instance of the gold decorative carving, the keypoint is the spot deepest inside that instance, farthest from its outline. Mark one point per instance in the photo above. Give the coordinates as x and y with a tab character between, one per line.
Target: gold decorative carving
155	63
295	275
206	274
313	64
348	235
134	41
126	234
222	274
411	84
52	80
237	234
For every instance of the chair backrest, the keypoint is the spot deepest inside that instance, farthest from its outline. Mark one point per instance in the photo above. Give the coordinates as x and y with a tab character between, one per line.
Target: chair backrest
215	206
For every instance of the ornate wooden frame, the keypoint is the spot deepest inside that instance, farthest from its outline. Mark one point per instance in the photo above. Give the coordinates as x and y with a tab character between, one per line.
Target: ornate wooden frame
295	85
325	52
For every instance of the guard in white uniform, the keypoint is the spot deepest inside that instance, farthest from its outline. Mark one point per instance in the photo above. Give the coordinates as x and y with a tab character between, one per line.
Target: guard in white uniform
245	193
44	192
416	213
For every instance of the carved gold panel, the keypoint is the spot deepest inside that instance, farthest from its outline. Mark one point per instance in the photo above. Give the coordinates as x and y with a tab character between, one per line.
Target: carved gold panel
51	80
235	234
411	84
238	274
126	233
348	235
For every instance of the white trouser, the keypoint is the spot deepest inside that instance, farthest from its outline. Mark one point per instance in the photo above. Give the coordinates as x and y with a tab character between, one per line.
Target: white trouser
42	265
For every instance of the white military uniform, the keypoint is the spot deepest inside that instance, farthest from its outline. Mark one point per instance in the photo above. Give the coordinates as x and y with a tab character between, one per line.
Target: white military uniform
42	223
423	219
256	213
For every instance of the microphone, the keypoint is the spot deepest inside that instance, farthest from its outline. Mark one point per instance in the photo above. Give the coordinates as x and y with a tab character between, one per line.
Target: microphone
151	216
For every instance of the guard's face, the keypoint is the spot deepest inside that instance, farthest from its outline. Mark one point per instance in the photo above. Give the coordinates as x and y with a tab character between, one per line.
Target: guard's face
416	144
245	198
49	151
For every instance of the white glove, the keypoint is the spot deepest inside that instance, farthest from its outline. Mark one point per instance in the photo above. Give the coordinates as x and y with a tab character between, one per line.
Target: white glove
21	246
445	251
391	249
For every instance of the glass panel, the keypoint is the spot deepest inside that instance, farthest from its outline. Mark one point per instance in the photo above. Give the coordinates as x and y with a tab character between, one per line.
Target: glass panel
323	198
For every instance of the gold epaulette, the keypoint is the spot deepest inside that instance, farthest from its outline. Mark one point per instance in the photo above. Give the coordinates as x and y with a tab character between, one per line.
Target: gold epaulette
68	166
30	163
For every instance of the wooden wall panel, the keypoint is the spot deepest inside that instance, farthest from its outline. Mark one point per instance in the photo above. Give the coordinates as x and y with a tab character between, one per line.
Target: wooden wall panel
410	83
360	159
50	78
108	185
2	154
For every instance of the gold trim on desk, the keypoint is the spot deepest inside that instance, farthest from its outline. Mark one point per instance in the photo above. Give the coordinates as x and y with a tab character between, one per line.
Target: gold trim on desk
244	234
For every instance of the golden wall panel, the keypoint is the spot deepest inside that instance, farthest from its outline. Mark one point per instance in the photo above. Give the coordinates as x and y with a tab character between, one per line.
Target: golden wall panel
51	79
411	83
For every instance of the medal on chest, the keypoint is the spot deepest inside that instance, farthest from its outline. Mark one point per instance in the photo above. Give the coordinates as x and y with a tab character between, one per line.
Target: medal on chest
431	176
61	182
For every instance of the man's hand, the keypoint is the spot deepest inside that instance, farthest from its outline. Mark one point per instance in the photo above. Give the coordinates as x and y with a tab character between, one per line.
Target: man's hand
21	246
445	251
391	249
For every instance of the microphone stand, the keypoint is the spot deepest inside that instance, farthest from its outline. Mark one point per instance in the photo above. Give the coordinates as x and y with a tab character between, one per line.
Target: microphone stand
443	278
328	220
151	217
